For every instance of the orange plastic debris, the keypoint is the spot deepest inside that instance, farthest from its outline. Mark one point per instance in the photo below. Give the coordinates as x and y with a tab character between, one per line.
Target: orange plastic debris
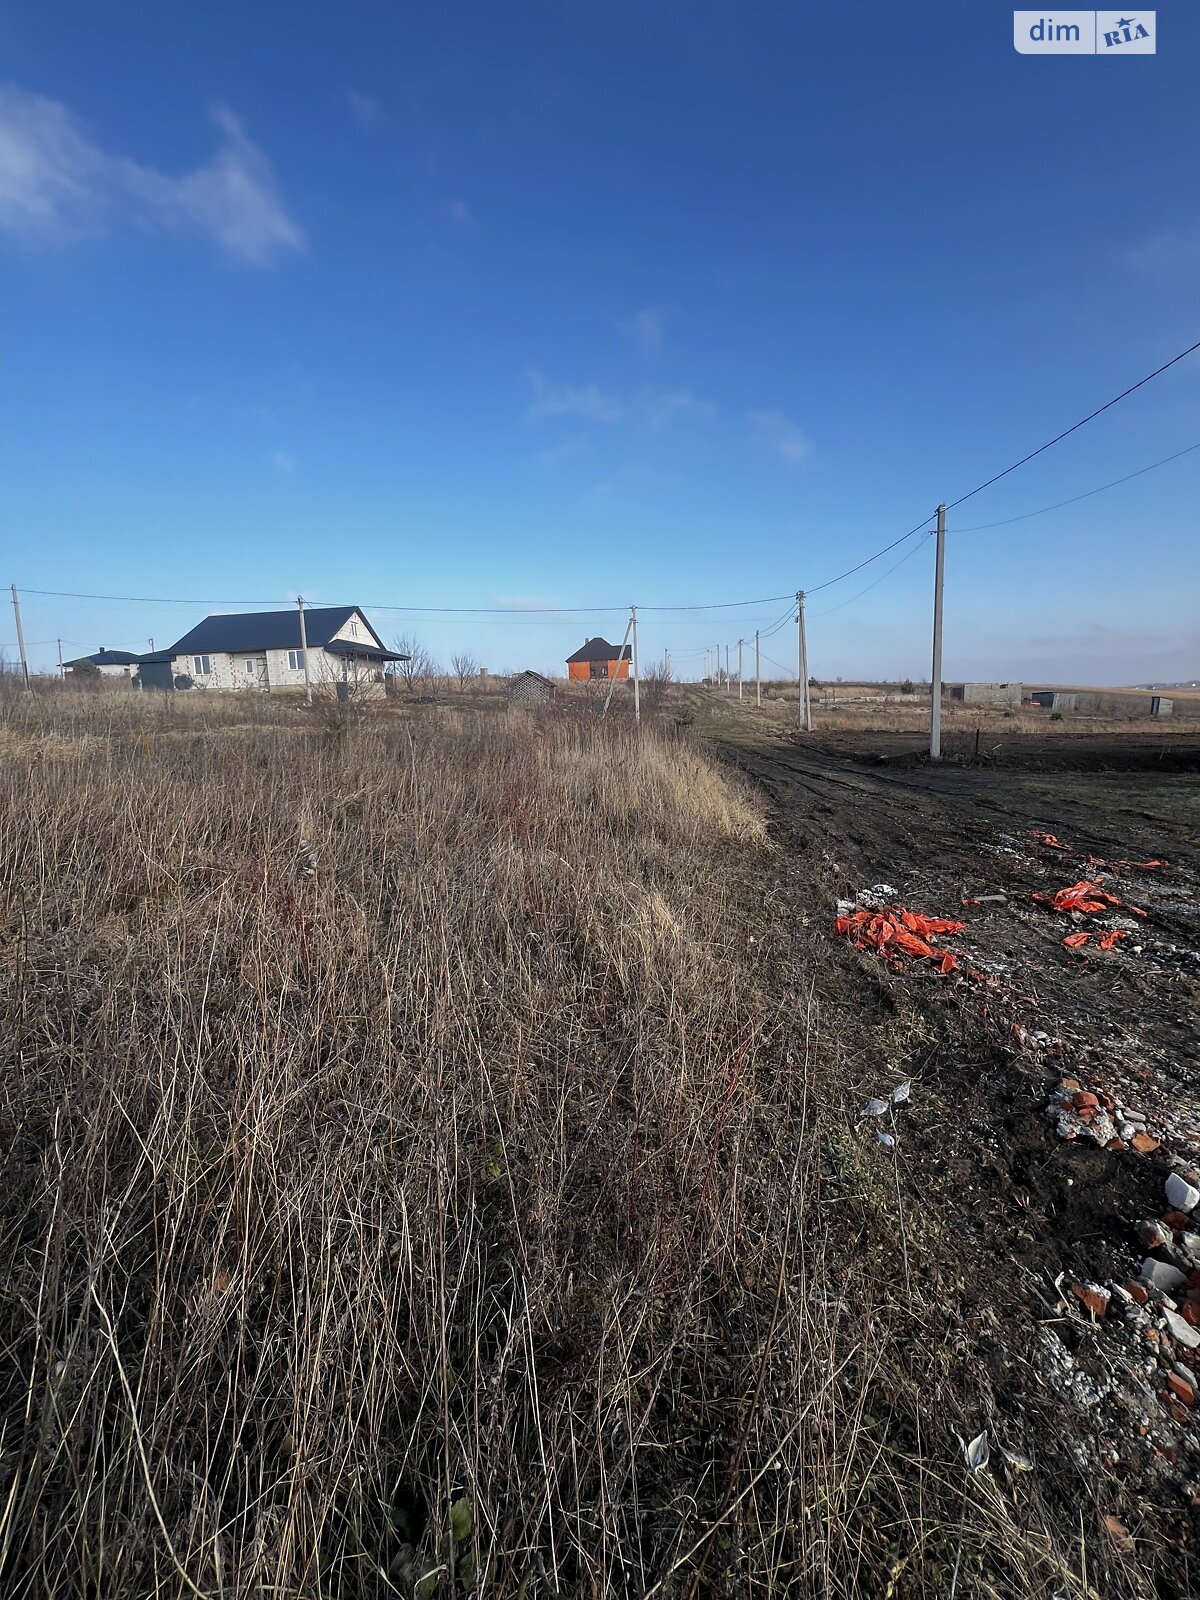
1085	896
1048	840
1076	941
1107	940
897	931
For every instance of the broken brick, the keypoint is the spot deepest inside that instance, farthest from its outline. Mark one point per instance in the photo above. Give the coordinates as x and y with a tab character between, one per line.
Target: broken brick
1181	1389
1144	1143
1180	1413
1137	1292
1084	1098
1176	1219
1072	1083
1091	1296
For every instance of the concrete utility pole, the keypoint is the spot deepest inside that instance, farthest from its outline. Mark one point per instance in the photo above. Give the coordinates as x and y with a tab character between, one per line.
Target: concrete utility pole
726	669
62	671
21	637
612	682
637	698
805	707
667	663
757	671
304	650
935	687
740	642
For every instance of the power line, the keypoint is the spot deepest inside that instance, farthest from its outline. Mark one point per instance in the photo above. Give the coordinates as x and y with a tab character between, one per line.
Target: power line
921	527
1075	426
982	527
907	556
511	613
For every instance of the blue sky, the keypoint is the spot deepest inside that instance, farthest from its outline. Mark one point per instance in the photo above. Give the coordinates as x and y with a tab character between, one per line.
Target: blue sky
578	305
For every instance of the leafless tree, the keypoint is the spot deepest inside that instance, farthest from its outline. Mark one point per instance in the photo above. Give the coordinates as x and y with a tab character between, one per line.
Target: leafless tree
655	679
420	669
465	667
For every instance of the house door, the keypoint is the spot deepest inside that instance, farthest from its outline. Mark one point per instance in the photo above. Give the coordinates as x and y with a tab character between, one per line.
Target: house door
256	672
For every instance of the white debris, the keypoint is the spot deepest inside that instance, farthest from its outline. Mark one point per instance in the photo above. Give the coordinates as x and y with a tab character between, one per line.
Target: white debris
1161	1274
876	1108
901	1092
876	897
1181	1194
1181	1330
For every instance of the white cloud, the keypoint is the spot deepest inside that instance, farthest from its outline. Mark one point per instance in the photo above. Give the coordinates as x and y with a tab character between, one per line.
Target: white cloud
58	185
566	450
364	108
645	328
460	213
1172	251
781	434
282	460
664	409
589	401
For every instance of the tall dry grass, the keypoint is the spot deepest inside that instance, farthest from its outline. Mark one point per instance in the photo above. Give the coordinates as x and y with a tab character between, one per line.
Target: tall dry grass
412	1184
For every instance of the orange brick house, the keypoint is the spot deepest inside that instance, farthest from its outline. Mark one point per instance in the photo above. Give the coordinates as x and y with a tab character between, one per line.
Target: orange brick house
598	659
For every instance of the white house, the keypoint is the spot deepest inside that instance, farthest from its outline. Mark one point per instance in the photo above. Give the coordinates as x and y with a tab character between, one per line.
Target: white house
262	650
108	663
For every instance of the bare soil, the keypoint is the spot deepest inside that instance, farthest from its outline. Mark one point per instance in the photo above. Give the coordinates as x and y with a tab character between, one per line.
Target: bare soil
1009	1213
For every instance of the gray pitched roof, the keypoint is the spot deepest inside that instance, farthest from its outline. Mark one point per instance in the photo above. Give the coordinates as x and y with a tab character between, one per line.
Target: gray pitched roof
601	650
107	658
267	630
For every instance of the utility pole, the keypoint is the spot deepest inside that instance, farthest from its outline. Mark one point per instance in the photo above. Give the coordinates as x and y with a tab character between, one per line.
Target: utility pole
637	698
804	709
21	637
717	668
62	671
757	671
935	687
612	682
740	643
304	650
726	669
667	662
152	644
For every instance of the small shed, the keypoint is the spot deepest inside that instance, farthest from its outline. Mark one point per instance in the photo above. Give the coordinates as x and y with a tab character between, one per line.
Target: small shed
596	658
531	689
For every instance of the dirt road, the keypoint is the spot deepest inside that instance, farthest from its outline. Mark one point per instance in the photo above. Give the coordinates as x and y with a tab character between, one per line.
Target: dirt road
1023	1194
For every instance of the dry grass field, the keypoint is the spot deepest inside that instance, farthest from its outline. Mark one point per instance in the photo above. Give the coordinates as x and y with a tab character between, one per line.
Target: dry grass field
429	1170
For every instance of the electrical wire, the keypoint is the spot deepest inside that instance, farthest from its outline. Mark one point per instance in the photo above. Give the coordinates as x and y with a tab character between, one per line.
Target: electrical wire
511	613
841	605
983	527
1075	426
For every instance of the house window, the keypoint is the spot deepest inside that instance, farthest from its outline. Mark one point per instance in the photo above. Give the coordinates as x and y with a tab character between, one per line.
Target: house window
296	660
598	669
201	666
354	627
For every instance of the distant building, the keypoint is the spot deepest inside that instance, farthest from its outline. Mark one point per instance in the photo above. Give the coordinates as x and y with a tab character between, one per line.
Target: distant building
531	689
986	694
596	658
108	663
262	650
